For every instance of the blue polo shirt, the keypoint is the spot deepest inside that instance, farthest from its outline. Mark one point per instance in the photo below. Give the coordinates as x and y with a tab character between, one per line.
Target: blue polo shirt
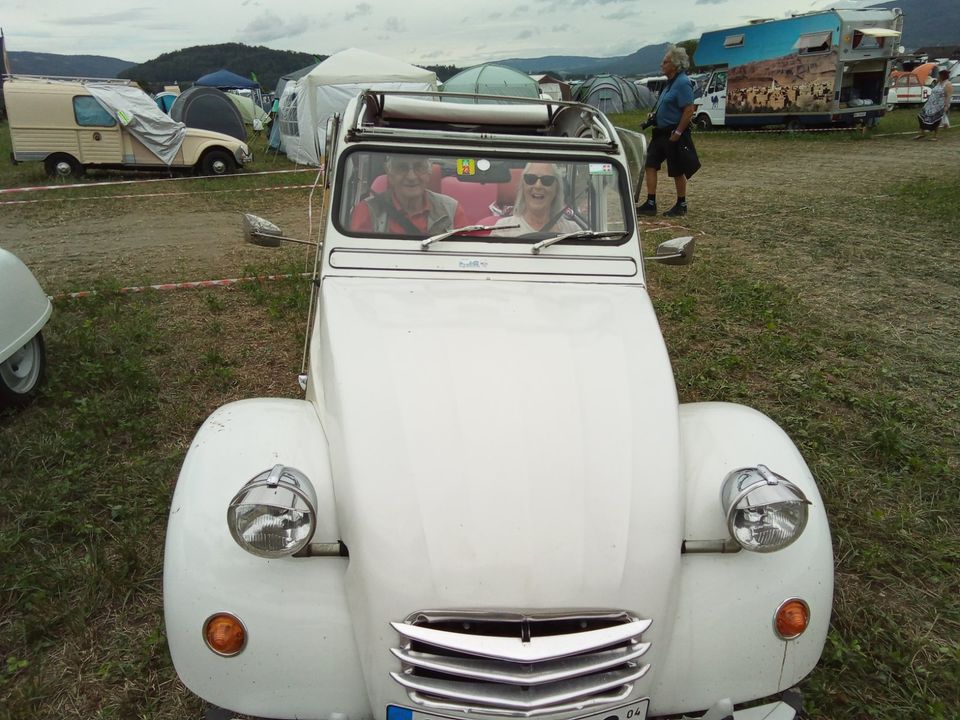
673	99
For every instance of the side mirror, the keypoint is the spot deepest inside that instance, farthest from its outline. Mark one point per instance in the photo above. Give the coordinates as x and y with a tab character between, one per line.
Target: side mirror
262	232
678	251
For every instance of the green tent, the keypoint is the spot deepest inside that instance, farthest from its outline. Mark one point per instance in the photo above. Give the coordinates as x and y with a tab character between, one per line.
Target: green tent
492	79
249	110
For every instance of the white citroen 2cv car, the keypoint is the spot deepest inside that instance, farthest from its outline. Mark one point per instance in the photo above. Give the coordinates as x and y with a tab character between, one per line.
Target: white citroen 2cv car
489	502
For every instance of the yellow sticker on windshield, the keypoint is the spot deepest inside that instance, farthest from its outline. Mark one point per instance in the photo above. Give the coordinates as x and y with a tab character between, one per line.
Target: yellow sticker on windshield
466	167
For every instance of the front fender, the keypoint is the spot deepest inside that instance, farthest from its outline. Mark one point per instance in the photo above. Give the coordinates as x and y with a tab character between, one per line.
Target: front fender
300	653
723	644
26	308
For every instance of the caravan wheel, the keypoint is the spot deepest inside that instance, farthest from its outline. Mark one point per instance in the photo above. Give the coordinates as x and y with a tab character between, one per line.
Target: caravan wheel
61	165
217	162
702	122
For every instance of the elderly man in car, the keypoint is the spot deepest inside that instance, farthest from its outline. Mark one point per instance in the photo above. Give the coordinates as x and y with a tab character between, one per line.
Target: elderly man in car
408	207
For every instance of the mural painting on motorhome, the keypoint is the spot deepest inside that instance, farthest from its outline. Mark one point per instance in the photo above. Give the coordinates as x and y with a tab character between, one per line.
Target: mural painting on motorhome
791	82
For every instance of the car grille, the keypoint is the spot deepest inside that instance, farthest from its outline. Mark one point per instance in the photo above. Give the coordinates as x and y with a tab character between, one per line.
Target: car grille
518	664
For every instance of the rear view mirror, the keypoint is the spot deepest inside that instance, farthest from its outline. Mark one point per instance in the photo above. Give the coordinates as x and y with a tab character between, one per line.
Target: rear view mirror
678	251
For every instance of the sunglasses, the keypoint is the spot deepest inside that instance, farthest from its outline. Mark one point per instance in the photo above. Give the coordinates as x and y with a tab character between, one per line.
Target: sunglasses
545	180
402	167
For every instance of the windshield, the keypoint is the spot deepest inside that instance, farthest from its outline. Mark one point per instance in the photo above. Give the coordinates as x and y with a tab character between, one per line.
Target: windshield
418	195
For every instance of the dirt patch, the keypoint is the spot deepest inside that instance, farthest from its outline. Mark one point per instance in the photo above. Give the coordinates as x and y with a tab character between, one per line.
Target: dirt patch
70	243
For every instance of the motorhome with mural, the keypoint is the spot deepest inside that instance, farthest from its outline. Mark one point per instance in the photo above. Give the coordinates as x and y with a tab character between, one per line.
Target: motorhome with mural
824	68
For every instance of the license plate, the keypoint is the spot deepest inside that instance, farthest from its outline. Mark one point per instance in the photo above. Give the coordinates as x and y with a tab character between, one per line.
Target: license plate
862	114
633	711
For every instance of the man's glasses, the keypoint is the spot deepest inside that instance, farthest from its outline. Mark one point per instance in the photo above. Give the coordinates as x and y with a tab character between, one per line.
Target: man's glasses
402	167
545	180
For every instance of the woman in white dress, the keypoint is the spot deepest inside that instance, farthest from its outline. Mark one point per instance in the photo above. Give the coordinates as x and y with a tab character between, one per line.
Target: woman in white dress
935	109
539	201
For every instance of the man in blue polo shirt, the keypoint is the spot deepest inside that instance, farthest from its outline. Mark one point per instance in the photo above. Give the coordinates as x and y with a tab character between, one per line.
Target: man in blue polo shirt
674	111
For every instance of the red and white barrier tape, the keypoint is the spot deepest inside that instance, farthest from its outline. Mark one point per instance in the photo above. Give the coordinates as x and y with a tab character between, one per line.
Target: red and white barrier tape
191	285
105	183
160	194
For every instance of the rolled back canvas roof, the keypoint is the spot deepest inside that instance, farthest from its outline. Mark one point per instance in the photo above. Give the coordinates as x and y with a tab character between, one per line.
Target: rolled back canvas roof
207	108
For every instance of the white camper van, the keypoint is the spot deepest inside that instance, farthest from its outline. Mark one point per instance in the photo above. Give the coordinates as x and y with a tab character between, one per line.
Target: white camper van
73	125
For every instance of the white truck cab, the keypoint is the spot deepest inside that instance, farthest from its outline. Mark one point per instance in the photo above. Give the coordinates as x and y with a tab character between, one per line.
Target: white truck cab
489	501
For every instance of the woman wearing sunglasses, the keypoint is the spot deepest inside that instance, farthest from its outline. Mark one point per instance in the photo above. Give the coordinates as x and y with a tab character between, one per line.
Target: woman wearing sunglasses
540	203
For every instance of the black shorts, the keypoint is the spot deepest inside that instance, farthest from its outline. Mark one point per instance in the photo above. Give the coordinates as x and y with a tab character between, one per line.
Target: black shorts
661	149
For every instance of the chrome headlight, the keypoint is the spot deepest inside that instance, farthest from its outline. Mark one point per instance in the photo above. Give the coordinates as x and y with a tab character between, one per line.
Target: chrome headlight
765	512
274	514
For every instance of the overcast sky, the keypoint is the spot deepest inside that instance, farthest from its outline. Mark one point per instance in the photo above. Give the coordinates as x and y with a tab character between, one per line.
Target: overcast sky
417	31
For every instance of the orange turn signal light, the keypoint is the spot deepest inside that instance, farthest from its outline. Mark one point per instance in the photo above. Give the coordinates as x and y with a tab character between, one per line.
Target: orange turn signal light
224	634
791	619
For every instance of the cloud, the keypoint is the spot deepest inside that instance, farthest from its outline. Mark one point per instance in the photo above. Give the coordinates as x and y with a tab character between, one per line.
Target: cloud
267	26
124	16
395	25
619	14
562	28
359	10
710	2
686	31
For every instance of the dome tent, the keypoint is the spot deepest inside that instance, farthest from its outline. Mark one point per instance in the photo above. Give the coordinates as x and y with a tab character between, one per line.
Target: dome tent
207	108
610	94
328	88
493	79
226	80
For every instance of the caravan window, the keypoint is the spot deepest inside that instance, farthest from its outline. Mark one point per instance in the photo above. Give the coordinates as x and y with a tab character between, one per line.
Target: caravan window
89	113
733	41
864	41
813	43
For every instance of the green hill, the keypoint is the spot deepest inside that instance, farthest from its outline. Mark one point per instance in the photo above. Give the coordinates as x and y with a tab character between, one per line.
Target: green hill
928	22
191	63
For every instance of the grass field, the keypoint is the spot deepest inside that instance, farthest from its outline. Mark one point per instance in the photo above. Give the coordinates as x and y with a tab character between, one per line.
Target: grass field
825	294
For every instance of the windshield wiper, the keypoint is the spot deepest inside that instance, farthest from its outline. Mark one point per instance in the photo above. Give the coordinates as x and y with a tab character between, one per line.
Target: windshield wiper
427	242
576	235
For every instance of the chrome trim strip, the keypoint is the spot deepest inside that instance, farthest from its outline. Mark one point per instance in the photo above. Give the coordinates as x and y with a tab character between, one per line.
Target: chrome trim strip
618	697
536	649
498	671
520	698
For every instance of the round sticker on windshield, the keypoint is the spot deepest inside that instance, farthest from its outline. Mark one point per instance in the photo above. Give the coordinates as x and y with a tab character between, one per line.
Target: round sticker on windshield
483	165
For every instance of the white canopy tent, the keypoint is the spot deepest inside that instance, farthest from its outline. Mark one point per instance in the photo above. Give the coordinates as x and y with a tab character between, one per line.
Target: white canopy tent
325	90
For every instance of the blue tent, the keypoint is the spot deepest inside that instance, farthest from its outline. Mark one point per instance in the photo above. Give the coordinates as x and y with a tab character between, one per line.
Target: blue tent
226	80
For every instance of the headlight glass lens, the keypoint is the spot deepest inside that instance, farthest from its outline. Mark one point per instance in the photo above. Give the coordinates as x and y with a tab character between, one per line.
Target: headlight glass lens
274	514
765	512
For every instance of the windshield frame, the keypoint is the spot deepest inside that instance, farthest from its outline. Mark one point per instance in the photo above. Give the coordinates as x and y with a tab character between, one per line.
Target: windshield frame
340	192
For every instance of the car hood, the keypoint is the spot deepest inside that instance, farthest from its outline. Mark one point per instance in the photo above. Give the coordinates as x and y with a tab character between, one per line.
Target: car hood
499	445
198	134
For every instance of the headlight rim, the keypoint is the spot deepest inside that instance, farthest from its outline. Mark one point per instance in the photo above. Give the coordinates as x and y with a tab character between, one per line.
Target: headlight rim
274	477
765	478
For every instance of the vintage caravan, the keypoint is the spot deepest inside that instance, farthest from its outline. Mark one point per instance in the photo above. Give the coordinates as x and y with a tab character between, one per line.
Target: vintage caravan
73	125
823	68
